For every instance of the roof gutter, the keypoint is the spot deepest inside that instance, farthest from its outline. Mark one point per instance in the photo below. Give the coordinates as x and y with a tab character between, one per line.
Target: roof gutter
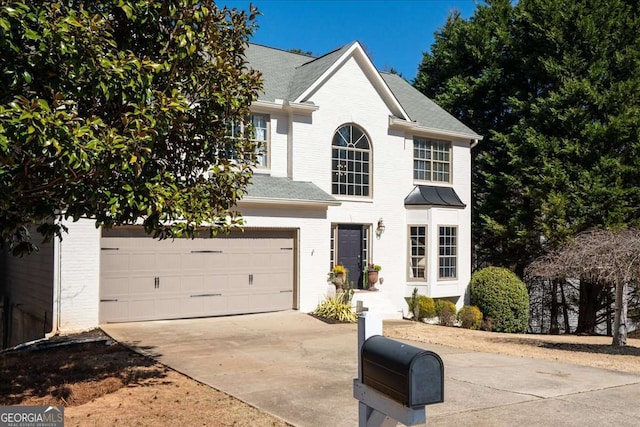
301	107
282	105
291	202
415	127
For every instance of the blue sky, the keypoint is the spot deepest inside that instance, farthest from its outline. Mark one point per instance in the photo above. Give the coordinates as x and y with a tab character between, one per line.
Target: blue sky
394	33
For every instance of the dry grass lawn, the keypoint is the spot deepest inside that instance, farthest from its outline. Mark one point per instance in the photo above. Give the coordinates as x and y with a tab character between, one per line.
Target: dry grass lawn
108	385
595	351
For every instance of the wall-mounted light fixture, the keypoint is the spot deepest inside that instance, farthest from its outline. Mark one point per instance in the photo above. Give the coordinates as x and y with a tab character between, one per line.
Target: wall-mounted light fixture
380	228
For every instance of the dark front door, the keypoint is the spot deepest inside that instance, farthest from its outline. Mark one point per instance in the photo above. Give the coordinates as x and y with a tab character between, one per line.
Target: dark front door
350	251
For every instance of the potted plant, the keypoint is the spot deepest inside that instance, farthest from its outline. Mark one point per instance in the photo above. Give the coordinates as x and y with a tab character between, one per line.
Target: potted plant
373	271
338	273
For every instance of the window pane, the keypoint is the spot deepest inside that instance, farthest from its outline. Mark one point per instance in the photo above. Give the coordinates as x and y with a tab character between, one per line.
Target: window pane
418	251
447	252
431	160
350	161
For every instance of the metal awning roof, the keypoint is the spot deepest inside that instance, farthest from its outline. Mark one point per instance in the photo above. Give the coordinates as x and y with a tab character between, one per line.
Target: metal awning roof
431	195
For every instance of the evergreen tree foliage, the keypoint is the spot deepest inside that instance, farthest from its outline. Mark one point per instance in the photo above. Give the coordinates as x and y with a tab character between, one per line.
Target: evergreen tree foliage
555	88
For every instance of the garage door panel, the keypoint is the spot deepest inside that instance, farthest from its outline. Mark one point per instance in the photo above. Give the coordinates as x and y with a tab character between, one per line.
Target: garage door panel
239	303
115	262
168	261
201	277
114	287
169	285
275	281
141	308
193	283
141	285
236	281
260	260
116	310
238	260
280	299
196	305
168	308
142	262
204	261
215	282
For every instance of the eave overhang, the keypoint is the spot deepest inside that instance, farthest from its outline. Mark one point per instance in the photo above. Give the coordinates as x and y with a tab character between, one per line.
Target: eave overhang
303	108
286	202
397	123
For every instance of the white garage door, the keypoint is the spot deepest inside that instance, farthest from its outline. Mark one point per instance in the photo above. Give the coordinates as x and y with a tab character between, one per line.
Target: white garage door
146	279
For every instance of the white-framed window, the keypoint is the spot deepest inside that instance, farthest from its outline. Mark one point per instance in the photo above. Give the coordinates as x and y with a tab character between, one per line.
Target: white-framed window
431	160
447	252
417	253
260	135
350	162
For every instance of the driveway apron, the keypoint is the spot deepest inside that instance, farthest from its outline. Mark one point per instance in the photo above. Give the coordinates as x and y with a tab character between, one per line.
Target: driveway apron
301	369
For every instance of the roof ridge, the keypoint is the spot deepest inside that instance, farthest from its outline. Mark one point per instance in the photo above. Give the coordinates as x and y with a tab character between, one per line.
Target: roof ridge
326	54
283	50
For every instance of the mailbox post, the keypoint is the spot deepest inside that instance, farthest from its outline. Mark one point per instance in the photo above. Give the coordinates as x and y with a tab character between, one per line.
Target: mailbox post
395	380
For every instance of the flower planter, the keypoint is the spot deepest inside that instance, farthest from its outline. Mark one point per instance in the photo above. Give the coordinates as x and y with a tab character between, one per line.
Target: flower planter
338	280
373	279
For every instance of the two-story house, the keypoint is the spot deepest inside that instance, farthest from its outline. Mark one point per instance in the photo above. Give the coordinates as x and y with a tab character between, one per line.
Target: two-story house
357	166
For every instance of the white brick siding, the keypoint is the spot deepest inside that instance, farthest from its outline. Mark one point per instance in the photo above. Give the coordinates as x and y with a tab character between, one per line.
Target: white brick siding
300	148
79	276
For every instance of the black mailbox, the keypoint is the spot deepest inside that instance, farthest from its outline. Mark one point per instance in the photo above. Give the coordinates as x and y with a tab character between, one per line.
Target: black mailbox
409	375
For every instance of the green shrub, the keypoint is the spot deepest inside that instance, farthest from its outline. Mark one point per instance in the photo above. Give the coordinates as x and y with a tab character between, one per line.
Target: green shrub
338	307
502	297
487	324
421	306
446	312
470	317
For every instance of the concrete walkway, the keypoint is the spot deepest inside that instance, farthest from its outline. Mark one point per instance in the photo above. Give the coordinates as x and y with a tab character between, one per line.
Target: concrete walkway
301	369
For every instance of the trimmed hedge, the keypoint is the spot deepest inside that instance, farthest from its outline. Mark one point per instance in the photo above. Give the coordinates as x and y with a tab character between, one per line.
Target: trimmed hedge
446	312
470	317
421	306
502	297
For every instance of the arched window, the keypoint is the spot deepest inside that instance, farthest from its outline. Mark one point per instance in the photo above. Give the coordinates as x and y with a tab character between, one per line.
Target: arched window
351	154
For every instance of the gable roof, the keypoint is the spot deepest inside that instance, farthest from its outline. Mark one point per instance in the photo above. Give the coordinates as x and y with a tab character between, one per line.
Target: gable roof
289	76
308	73
278	69
421	109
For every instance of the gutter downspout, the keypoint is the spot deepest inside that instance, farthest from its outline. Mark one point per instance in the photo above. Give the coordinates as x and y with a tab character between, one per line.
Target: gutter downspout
290	144
57	288
474	142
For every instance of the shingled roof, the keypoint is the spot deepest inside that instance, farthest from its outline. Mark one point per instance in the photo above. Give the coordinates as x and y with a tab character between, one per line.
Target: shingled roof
271	188
286	75
421	109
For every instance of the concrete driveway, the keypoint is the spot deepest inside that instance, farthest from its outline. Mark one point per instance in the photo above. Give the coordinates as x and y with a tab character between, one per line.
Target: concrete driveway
301	369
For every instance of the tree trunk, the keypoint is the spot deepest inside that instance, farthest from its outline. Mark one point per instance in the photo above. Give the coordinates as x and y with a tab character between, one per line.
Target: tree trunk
565	309
554	329
609	316
588	307
620	323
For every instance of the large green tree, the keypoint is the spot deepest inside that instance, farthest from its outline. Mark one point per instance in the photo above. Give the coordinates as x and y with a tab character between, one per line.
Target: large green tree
555	88
118	111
